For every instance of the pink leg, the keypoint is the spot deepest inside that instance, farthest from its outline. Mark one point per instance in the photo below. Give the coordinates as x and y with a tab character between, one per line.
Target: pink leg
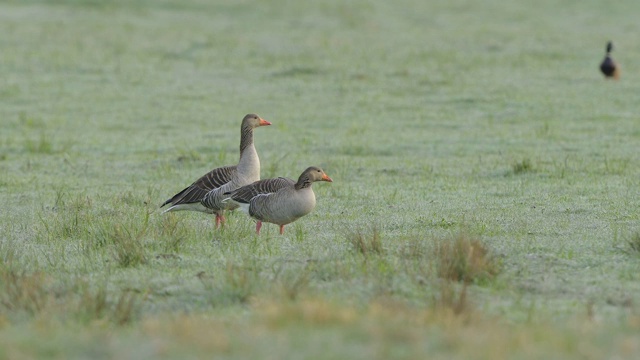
219	220
258	226
281	229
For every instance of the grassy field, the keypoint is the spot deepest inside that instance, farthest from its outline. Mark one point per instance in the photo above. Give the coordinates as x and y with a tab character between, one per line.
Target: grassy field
486	194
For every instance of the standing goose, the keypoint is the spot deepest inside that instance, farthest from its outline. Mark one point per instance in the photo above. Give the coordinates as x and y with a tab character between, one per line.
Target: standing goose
609	67
205	194
279	200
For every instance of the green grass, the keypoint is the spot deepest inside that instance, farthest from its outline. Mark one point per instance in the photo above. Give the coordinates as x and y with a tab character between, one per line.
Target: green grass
485	196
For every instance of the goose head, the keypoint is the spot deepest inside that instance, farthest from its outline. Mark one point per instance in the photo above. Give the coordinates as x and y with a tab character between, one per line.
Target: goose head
253	121
314	173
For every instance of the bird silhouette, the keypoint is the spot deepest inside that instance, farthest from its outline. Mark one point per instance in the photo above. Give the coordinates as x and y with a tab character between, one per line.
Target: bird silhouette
609	67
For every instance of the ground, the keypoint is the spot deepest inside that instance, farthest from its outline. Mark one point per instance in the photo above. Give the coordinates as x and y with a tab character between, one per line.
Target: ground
485	201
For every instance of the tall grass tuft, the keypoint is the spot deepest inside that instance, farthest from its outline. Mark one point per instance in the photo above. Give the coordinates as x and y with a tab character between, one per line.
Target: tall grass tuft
237	285
68	218
367	244
450	298
522	167
124	237
128	249
42	145
96	305
465	259
22	292
172	232
240	282
292	283
8	253
634	244
37	294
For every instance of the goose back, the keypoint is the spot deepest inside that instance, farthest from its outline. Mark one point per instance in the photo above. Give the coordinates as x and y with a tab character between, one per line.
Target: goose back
197	191
266	186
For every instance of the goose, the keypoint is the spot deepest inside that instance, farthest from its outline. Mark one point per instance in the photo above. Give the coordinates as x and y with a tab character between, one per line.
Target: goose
609	67
205	194
280	200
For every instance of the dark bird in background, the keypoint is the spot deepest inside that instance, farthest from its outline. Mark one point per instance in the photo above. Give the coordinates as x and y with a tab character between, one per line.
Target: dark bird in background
610	68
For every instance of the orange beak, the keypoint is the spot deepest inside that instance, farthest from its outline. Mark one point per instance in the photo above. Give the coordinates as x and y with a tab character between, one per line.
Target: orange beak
264	122
325	177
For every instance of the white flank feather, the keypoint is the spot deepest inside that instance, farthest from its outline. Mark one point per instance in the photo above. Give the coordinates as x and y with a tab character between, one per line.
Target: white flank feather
191	207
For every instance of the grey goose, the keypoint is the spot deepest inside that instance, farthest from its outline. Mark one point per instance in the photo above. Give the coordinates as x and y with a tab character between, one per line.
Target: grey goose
206	193
280	200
